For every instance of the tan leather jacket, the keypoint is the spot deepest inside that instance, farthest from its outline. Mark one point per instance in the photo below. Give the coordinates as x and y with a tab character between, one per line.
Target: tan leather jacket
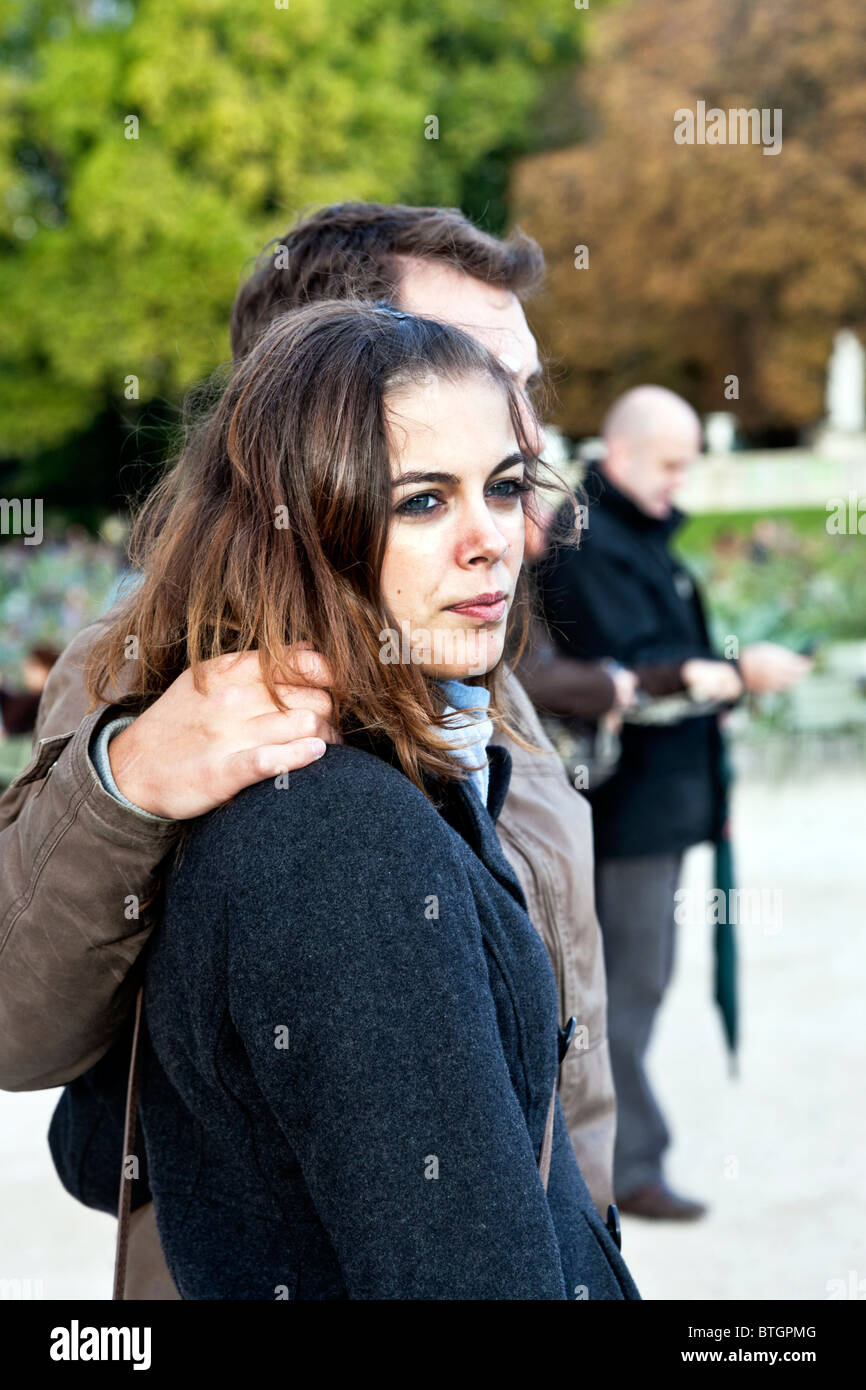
74	862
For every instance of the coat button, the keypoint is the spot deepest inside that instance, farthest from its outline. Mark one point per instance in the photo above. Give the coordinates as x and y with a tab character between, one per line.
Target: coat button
613	1226
566	1037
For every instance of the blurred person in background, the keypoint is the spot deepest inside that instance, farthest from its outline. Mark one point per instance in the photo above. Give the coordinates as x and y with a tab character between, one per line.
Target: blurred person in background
555	682
578	692
18	708
623	596
18	711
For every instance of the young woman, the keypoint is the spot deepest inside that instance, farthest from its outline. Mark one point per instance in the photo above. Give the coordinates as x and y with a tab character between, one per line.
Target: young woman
351	1038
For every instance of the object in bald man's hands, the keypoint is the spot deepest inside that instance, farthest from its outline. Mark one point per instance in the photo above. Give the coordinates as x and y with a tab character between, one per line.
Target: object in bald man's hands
625	683
711	680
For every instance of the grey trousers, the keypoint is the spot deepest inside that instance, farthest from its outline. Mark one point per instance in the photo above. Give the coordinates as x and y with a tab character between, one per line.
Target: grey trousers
635	901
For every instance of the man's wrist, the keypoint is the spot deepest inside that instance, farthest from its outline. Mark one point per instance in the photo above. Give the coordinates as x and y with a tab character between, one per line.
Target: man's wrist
101	759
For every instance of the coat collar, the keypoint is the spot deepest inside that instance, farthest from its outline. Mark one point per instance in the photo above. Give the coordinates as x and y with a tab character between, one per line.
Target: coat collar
601	492
458	804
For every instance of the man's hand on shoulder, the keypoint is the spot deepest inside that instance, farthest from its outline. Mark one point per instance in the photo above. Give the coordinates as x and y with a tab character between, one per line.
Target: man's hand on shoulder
192	750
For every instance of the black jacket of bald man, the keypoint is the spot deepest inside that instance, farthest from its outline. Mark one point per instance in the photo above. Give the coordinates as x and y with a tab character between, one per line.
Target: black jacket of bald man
622	595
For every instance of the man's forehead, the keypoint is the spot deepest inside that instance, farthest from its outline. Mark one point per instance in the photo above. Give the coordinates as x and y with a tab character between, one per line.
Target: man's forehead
490	313
681	439
512	343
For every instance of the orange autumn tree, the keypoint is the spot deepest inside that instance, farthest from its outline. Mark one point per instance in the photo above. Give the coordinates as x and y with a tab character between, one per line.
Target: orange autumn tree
705	261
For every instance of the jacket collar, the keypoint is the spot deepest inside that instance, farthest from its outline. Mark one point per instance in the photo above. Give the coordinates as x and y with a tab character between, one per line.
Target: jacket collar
458	804
601	492
500	779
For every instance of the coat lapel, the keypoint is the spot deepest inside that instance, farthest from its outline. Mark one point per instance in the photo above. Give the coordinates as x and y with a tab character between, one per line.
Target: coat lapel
464	812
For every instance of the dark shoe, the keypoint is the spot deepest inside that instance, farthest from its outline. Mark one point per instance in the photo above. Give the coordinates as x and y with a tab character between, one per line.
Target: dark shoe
656	1202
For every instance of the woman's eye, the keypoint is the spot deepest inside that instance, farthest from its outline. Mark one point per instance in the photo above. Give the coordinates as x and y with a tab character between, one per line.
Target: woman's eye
418	505
509	487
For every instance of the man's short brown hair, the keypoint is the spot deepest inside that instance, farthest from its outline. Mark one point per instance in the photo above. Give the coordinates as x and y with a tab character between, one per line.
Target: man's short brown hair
353	250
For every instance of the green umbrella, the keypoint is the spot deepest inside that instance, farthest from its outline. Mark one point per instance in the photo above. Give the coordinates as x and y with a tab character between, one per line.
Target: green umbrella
725	941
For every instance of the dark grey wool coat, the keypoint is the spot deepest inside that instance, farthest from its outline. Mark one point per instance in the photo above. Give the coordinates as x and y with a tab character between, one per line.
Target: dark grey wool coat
350	1045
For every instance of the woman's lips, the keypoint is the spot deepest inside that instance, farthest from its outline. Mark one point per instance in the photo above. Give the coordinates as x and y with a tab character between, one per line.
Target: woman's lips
488	607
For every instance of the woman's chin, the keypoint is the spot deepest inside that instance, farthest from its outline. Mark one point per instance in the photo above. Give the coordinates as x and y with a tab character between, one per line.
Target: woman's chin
467	653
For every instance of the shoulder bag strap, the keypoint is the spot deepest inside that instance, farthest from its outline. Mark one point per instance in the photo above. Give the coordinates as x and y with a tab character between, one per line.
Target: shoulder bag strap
547	1142
125	1198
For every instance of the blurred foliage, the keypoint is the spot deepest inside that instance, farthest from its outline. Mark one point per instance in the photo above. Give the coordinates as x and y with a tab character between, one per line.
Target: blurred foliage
48	592
778	578
706	260
120	257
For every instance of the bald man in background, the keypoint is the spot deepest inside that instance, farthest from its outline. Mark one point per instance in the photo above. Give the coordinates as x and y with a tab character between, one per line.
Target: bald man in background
623	597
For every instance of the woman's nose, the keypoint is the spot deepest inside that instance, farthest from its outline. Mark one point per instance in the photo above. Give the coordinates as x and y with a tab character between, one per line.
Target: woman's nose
480	538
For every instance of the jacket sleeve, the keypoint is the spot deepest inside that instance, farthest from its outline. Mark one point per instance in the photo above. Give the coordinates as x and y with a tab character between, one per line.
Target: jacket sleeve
392	1087
560	684
662	678
77	871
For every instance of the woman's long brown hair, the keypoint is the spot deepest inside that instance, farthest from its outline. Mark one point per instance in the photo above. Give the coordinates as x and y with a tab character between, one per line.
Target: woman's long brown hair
271	528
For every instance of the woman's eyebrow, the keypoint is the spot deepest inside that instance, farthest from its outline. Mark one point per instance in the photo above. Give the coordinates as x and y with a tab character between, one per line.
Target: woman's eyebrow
422	477
451	478
510	462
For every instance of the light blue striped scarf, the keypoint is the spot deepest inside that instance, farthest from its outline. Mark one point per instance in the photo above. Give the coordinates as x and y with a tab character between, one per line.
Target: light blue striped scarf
473	731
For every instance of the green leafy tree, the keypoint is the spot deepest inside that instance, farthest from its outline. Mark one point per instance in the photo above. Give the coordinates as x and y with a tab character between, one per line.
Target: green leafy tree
149	150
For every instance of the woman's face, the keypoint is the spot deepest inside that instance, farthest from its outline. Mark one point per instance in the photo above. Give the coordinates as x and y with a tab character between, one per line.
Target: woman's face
455	543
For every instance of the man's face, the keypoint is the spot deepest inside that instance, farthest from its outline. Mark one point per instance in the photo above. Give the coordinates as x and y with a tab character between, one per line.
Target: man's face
651	470
492	315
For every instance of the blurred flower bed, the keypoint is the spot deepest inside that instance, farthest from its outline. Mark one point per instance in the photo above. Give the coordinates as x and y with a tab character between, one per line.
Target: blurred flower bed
783	578
779	579
48	592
